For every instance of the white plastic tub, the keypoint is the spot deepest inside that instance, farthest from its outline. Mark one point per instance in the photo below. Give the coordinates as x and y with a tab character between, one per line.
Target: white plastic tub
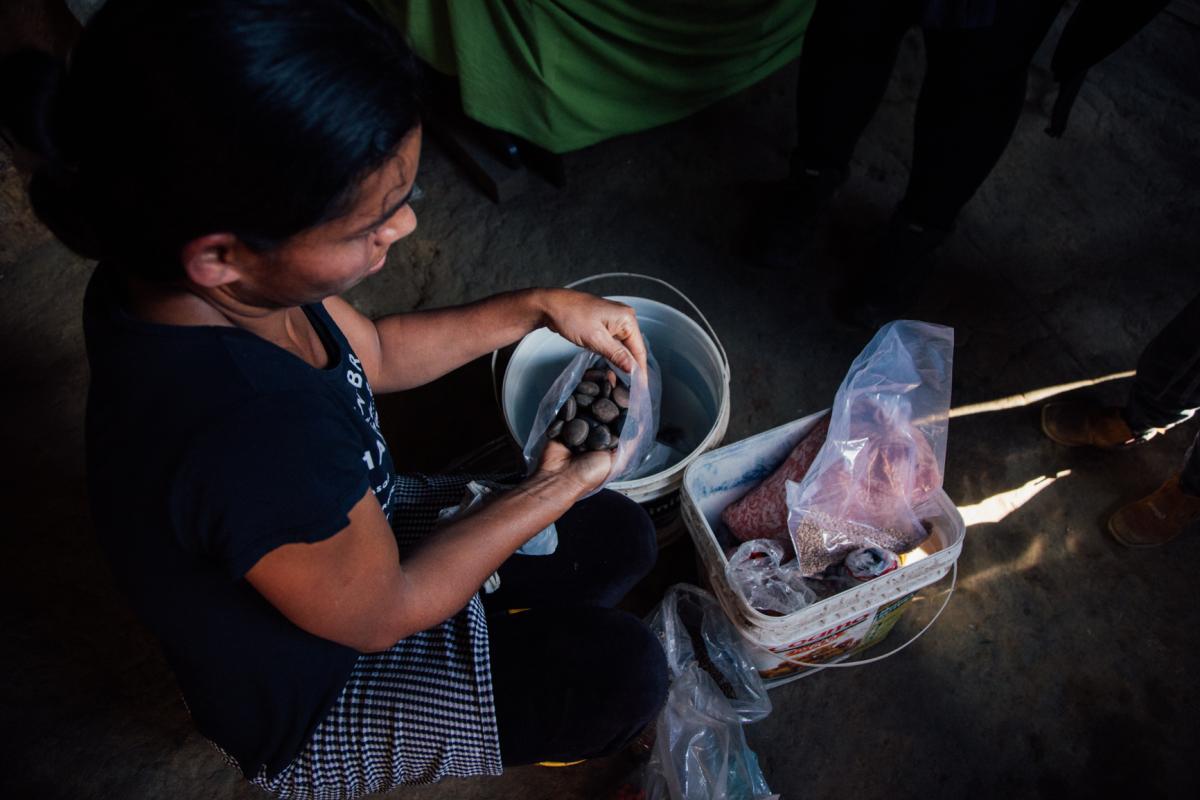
695	392
828	631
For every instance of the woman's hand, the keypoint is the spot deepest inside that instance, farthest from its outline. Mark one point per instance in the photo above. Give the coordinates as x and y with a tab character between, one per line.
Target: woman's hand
599	325
586	470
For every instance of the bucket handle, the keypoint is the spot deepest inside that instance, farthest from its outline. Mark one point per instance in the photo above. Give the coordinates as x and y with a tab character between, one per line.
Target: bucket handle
703	319
890	653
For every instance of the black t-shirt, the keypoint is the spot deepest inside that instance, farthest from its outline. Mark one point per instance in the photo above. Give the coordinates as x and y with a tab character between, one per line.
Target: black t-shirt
208	447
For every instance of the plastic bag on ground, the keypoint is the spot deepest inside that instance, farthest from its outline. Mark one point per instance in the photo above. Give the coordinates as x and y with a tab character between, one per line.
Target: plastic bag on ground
637	439
700	751
760	571
885	452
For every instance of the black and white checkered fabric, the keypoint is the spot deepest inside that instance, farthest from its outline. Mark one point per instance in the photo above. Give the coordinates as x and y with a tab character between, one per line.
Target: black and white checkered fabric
417	713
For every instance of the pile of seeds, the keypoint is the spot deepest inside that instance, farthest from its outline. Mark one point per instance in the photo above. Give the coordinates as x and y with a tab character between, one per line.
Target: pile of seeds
823	541
594	414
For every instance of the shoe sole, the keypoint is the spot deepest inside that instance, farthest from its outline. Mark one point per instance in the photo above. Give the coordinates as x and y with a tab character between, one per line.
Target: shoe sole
1132	545
1113	533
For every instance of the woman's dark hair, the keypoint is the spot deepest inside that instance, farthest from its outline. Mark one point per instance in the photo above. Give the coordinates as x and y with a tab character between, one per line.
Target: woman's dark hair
179	118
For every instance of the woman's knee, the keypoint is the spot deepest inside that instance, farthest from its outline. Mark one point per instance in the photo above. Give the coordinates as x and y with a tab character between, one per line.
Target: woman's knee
629	679
628	530
601	677
637	663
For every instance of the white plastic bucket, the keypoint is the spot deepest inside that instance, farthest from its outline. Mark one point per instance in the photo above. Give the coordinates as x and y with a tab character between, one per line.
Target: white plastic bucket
826	632
695	392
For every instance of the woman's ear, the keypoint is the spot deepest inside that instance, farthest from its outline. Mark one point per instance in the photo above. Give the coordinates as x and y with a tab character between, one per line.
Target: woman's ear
213	260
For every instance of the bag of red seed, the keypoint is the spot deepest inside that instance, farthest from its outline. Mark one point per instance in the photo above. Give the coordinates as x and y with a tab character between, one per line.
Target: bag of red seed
883	457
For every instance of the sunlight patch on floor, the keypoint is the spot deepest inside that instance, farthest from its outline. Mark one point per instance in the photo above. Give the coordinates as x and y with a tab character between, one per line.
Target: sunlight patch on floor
1000	505
1034	395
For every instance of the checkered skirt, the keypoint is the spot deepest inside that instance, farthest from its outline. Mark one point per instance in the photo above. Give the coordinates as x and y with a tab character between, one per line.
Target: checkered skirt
416	713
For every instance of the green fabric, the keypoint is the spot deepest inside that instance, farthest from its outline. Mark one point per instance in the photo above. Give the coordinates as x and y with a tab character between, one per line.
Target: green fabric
568	73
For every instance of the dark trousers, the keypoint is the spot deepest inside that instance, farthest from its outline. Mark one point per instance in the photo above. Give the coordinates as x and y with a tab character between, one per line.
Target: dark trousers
574	677
970	100
1166	390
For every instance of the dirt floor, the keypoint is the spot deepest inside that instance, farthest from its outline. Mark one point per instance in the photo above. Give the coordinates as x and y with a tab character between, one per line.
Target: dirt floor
1064	664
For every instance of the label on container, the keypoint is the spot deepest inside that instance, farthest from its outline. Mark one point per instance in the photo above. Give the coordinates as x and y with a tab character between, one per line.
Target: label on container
835	643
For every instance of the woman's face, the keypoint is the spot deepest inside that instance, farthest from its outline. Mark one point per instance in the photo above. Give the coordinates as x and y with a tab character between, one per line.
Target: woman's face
330	258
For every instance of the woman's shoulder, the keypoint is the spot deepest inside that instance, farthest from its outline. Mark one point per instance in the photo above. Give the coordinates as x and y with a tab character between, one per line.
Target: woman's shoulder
206	357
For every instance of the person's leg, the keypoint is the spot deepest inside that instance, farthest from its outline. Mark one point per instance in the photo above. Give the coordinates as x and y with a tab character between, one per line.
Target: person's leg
1165	393
606	544
1166	390
970	101
1189	478
849	51
573	682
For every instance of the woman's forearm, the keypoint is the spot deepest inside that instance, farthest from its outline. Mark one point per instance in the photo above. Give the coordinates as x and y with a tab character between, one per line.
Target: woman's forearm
441	576
353	589
421	346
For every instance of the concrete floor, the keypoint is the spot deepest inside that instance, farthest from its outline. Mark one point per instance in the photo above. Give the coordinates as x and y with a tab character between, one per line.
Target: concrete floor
1064	664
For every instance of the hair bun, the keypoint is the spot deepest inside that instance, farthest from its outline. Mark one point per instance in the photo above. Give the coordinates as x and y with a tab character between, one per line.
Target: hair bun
30	85
30	81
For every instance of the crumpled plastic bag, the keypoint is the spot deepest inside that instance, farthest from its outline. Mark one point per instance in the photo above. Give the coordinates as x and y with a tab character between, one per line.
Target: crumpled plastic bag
862	565
637	440
700	751
760	570
543	543
885	452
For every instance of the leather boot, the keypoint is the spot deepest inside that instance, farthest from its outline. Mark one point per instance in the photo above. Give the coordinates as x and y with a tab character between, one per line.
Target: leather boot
1082	424
1157	518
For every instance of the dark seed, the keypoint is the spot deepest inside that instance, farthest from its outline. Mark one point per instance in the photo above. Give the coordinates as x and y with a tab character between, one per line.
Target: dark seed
620	396
605	389
587	387
555	429
594	375
605	410
584	400
575	432
616	440
599	438
567	412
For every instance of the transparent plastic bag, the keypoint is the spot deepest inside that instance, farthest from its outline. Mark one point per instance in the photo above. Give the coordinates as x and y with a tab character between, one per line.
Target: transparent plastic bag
760	571
637	440
543	543
700	751
883	458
